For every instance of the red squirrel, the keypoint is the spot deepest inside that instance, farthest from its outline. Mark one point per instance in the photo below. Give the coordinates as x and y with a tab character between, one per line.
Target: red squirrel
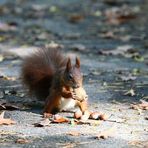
50	76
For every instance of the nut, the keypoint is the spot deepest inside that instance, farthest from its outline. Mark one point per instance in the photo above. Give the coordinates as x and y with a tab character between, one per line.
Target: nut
77	114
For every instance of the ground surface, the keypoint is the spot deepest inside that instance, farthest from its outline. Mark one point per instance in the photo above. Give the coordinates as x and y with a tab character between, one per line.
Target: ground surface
114	59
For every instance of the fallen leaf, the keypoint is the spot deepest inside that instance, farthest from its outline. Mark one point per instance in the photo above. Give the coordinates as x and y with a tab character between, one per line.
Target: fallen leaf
43	123
22	141
108	35
133	106
73	133
10	78
118	15
127	77
138	58
107	133
141	106
8	106
145	98
97	13
20	95
59	119
136	107
76	18
78	47
54	45
130	92
1	58
53	9
6	121
125	50
7	27
138	143
10	92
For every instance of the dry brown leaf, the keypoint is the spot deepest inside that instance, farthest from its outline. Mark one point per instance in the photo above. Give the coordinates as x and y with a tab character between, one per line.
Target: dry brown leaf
73	133
43	123
22	141
108	35
6	121
125	50
76	18
107	133
133	106
141	106
138	143
120	15
59	119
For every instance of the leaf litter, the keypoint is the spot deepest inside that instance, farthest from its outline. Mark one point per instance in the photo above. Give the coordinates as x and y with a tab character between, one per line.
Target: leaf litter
22	141
130	92
143	105
5	121
8	106
127	51
119	15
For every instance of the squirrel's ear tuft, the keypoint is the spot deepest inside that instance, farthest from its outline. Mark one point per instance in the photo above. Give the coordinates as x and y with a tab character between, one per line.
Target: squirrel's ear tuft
68	66
77	62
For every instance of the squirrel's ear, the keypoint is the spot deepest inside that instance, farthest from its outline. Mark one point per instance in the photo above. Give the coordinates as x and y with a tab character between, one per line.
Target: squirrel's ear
68	66
77	62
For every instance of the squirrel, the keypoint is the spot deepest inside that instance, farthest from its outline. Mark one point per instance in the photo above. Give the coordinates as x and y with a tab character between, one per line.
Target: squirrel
51	77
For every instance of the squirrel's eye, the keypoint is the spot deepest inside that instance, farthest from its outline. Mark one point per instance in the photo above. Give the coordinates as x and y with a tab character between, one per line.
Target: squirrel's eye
70	77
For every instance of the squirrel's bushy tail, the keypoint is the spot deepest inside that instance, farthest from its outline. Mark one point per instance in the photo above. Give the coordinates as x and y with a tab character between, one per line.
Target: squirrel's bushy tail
39	68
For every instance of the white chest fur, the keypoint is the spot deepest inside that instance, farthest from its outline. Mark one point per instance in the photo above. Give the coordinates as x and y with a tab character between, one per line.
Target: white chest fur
67	104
